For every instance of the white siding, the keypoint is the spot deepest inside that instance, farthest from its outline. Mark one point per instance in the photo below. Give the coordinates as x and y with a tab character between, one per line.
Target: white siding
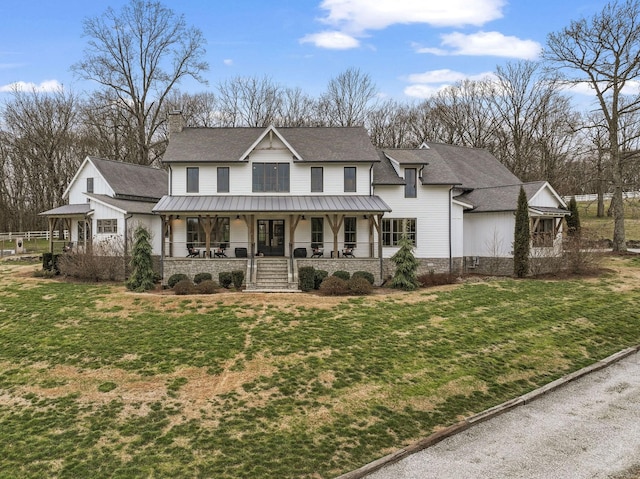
544	197
431	210
489	234
457	231
79	186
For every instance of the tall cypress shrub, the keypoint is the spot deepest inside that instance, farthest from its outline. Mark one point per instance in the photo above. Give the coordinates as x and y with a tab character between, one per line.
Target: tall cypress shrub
141	278
573	221
406	266
522	237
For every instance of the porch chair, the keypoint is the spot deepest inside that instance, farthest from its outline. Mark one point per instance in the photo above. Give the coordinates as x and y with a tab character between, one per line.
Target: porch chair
68	247
192	252
347	252
219	252
316	250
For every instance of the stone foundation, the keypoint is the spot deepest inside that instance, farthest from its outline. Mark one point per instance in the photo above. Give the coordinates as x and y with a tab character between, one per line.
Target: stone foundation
193	266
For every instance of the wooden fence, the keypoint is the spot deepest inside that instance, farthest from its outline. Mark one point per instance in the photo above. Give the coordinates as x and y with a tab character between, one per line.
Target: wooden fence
32	235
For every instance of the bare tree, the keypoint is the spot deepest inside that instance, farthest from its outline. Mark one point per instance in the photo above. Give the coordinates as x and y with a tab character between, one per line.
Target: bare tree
604	53
39	152
140	54
296	108
390	125
347	100
249	101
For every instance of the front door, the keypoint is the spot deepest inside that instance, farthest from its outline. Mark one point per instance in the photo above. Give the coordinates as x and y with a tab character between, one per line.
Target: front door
271	237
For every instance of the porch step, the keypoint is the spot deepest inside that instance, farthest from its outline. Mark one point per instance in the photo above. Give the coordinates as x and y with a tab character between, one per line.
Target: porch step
272	275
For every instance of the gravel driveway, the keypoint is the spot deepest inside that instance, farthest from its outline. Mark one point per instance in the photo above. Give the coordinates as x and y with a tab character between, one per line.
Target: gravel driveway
589	428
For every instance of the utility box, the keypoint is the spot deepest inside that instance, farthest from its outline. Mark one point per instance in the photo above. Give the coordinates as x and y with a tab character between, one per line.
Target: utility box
19	245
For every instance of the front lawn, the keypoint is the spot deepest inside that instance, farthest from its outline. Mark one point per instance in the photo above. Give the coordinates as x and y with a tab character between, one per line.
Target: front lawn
99	382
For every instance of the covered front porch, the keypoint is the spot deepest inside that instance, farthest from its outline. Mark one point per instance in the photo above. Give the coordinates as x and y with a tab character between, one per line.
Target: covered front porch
63	219
318	228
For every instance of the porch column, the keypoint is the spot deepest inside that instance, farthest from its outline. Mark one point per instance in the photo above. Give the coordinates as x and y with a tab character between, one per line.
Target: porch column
293	224
335	225
208	224
52	222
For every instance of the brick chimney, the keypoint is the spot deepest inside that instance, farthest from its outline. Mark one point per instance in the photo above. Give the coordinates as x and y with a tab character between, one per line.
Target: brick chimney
176	122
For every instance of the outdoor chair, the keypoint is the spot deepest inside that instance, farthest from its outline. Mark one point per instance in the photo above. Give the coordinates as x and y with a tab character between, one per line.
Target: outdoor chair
347	252
219	252
68	247
317	251
193	252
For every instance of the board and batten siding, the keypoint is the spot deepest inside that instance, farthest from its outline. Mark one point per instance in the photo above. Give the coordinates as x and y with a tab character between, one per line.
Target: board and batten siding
544	197
492	234
79	187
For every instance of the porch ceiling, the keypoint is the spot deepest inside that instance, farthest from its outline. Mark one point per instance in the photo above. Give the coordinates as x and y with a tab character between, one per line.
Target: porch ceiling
259	204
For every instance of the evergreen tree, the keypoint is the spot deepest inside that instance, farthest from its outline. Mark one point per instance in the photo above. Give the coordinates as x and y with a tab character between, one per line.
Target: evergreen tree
406	266
521	240
573	221
141	278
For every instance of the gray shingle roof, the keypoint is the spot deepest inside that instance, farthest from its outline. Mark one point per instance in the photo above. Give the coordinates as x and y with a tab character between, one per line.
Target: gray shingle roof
474	167
229	144
129	206
384	173
133	181
244	204
499	198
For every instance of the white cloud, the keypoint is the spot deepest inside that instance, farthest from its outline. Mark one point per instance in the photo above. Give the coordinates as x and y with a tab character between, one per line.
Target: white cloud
485	44
362	15
44	87
351	19
333	40
227	61
429	83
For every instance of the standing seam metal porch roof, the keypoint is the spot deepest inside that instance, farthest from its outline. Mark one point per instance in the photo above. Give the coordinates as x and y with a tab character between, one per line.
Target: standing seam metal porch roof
265	204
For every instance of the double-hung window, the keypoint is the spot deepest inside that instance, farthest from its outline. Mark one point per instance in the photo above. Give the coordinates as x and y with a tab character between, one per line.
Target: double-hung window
193	179
350	230
107	226
223	179
350	179
317	180
317	231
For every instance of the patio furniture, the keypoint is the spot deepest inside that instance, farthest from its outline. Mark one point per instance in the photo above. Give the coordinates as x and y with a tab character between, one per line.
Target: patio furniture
300	253
220	251
317	251
241	252
347	252
193	252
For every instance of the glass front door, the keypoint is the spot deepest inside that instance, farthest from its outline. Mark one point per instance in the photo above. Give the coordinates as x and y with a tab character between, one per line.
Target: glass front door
271	237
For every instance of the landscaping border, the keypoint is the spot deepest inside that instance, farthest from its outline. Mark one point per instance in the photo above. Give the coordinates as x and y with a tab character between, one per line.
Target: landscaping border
486	415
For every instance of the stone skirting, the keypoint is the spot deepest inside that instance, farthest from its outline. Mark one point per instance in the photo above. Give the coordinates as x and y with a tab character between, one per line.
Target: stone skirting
193	266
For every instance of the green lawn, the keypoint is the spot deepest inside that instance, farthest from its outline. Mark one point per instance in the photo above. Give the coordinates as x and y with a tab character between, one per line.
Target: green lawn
98	382
603	227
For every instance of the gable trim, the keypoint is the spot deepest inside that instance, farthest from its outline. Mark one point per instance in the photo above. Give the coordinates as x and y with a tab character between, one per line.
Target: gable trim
270	129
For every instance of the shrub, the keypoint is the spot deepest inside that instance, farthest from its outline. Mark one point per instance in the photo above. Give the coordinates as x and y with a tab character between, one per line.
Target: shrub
44	273
366	275
334	286
359	285
176	278
184	286
406	266
306	278
342	274
207	286
237	277
224	278
319	277
141	278
435	279
200	277
522	238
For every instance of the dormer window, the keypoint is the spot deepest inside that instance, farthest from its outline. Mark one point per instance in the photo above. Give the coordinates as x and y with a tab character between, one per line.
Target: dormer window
410	187
89	185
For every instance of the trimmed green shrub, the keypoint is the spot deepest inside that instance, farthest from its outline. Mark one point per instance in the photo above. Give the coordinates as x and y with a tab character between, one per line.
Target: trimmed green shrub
200	277
306	278
207	286
141	278
406	266
225	280
176	278
359	285
334	286
50	262
342	274
522	238
184	286
319	277
366	275
237	278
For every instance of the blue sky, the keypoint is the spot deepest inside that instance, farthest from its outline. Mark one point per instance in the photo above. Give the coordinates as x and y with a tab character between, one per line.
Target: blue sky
410	48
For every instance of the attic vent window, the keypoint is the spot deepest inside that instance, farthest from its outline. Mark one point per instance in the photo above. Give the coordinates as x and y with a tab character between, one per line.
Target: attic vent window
89	185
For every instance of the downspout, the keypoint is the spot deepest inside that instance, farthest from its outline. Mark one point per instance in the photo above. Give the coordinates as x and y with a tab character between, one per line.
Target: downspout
170	181
371	180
